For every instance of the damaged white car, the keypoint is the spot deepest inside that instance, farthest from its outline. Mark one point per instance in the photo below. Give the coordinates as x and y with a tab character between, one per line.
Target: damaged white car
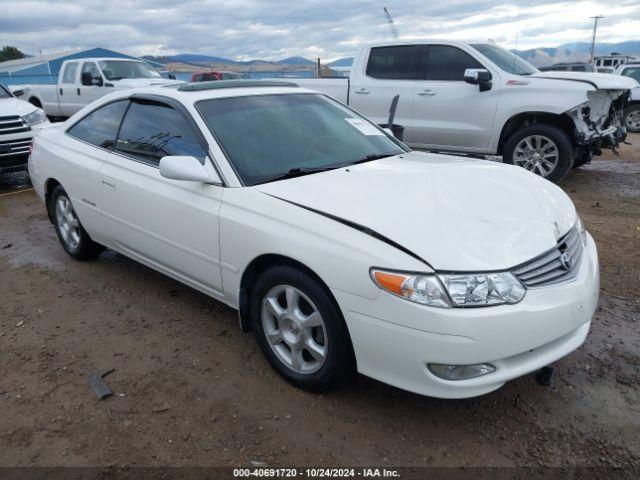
482	100
342	249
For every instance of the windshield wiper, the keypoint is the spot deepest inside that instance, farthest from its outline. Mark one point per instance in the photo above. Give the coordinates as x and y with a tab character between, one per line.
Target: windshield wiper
297	172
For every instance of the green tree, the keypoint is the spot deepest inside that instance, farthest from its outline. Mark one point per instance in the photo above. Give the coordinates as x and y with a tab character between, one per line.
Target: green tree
10	53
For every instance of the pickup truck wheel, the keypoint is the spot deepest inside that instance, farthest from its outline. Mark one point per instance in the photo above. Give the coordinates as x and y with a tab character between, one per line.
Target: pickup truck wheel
632	118
542	149
300	329
73	237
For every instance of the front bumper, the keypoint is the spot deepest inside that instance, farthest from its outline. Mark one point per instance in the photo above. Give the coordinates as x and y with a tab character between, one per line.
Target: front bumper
394	339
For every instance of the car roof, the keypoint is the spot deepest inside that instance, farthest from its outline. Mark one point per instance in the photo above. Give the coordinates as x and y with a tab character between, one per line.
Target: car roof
194	94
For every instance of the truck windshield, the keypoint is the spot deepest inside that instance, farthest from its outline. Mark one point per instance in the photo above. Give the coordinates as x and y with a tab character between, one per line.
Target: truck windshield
4	93
119	69
505	60
270	137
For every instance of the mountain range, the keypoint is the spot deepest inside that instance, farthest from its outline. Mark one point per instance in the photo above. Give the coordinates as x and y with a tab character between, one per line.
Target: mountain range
568	52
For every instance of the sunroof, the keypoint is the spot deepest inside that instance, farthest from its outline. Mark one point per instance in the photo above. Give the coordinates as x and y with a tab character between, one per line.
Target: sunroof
218	84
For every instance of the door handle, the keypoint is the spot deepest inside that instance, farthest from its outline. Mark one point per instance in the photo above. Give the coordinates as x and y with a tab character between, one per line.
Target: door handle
108	183
362	90
427	93
60	91
78	91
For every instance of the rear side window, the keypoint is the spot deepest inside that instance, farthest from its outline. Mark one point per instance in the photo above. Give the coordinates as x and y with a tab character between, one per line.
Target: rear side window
152	130
69	75
448	63
393	63
100	127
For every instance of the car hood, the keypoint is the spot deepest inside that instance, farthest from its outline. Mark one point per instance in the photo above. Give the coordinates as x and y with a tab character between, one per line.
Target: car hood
605	81
15	106
456	214
143	82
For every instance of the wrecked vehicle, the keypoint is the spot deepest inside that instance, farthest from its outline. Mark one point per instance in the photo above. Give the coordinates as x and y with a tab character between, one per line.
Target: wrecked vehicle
341	249
482	100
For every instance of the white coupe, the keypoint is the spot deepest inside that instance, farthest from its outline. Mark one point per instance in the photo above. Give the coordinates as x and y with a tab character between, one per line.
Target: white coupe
342	249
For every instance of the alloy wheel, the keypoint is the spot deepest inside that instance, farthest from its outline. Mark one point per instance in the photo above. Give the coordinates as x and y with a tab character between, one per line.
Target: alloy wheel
68	223
538	154
294	329
633	120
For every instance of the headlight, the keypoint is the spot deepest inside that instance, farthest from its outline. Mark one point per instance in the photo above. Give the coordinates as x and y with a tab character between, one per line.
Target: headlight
581	230
424	289
452	290
478	289
35	117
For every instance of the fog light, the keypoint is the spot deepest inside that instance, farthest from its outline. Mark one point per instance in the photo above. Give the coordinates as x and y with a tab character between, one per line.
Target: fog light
460	372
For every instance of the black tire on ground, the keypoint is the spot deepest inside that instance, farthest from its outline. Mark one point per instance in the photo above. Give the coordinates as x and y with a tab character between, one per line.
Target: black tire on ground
556	135
86	248
632	118
339	364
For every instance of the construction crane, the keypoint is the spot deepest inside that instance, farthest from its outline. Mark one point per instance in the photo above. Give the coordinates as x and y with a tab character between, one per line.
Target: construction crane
392	26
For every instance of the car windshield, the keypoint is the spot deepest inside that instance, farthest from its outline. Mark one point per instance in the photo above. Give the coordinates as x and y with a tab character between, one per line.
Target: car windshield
633	72
119	69
267	137
4	93
505	60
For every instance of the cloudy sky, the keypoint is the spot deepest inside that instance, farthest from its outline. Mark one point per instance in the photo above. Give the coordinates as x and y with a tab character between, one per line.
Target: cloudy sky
248	29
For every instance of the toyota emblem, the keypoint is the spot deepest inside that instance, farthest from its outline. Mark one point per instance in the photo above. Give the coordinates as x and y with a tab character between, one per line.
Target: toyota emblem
566	260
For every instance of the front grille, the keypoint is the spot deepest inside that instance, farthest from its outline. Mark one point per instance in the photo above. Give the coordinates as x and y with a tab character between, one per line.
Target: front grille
18	146
13	124
558	265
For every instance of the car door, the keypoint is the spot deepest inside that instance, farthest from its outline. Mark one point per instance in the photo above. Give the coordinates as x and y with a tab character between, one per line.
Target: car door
69	90
168	224
390	71
89	93
88	143
448	112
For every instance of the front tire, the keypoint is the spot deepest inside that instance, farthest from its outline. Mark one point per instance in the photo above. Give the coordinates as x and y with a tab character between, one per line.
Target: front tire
73	237
632	118
300	329
542	149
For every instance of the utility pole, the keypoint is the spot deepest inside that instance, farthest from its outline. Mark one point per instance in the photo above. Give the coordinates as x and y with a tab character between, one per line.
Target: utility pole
593	39
392	26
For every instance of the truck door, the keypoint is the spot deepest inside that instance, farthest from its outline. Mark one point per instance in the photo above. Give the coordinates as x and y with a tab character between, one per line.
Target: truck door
69	94
95	89
450	114
389	71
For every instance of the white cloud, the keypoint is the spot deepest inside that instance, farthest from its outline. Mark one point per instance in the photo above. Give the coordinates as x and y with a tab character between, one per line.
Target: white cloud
246	29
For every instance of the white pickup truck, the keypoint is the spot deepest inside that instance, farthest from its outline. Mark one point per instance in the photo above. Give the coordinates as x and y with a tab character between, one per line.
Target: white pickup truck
18	120
632	111
480	99
82	81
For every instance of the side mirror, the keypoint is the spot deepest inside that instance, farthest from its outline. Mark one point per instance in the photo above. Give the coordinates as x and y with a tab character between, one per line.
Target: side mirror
171	76
188	169
18	93
89	81
85	79
478	76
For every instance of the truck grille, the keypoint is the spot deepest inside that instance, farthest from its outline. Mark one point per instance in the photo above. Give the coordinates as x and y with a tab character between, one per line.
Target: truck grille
13	124
557	265
19	146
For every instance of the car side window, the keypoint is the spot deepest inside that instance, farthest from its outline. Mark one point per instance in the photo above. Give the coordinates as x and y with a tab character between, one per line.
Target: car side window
153	130
92	68
445	62
393	63
69	75
100	127
633	72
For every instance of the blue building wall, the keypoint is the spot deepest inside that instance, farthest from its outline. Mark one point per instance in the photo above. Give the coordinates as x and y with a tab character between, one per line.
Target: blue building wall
43	73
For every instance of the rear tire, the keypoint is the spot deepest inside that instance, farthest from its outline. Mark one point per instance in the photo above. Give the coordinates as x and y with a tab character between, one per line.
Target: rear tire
632	118
73	237
300	329
542	149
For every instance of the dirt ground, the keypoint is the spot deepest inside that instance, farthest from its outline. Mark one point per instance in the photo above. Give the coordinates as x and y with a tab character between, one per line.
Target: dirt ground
192	390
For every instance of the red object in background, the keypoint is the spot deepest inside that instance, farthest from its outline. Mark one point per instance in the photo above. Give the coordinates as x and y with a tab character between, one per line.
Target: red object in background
215	75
